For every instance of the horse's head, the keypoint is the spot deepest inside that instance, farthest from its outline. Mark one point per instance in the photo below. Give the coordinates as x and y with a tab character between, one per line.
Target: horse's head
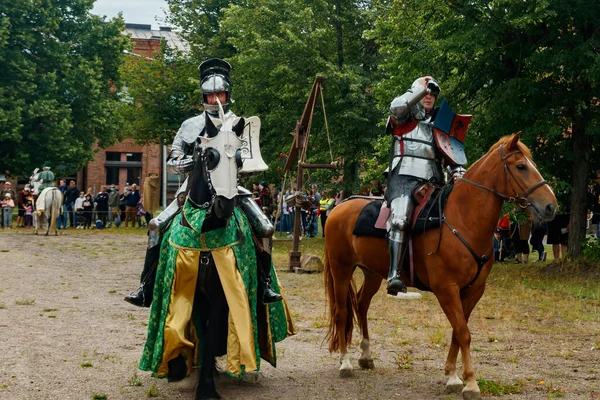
521	182
218	160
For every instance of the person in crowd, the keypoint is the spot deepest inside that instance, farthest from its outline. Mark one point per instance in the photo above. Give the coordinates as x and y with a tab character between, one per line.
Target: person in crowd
72	193
521	232
88	210
78	207
141	213
266	201
315	221
61	223
29	214
285	214
538	231
7	189
416	158
8	204
505	234
21	203
113	205
497	246
595	204
325	206
101	203
558	235
132	199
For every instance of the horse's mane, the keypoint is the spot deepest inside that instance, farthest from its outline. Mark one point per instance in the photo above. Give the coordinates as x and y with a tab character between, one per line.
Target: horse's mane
505	140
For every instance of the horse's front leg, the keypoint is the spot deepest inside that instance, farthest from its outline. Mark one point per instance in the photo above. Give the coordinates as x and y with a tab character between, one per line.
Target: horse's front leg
371	285
450	301
210	298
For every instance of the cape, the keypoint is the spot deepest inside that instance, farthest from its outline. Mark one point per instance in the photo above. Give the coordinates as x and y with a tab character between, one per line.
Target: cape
172	329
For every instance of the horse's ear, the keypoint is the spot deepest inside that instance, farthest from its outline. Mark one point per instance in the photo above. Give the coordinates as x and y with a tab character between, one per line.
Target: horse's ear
515	140
210	128
239	127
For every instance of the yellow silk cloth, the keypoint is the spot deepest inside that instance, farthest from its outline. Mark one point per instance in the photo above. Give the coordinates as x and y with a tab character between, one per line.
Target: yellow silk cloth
180	333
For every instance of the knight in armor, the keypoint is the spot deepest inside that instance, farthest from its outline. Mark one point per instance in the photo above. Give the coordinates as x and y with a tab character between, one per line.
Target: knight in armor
416	159
215	84
46	179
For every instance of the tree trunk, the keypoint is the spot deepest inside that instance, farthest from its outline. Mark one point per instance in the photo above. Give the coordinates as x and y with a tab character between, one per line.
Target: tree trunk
581	167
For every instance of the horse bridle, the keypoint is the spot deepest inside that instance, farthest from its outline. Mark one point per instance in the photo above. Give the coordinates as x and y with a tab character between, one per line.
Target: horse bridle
519	200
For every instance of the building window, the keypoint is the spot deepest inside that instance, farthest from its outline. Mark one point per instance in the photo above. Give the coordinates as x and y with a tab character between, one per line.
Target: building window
113	156
136	157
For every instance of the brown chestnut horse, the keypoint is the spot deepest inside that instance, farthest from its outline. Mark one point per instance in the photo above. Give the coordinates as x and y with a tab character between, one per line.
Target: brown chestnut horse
455	275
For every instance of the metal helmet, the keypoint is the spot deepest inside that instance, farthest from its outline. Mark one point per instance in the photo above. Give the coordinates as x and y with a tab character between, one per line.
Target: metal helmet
214	77
431	84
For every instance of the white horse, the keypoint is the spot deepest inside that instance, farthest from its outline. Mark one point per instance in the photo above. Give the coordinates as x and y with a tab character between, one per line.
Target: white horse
48	205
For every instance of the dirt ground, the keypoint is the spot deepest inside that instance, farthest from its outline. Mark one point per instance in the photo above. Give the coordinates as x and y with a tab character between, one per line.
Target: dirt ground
66	333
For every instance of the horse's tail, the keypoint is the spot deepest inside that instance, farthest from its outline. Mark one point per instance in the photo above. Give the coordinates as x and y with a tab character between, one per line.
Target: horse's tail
55	211
351	307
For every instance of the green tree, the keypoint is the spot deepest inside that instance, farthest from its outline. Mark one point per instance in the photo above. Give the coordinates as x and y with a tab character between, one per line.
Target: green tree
530	66
160	93
281	46
58	84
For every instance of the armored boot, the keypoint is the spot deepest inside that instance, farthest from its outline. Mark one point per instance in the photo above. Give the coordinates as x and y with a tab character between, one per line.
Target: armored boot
264	279
143	296
394	281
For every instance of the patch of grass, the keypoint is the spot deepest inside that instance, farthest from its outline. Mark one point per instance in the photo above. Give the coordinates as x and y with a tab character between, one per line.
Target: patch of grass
98	396
51	316
112	291
3	386
134	380
492	388
49	309
4	250
86	365
2	306
25	301
131	317
75	297
404	361
437	337
492	339
152	391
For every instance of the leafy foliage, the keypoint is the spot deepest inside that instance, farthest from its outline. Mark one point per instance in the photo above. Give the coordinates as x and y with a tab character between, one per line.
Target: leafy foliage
58	86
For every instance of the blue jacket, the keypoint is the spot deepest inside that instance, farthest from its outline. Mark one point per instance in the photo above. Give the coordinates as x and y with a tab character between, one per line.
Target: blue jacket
132	198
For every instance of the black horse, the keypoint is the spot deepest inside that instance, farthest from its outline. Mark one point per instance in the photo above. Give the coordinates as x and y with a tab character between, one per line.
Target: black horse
210	304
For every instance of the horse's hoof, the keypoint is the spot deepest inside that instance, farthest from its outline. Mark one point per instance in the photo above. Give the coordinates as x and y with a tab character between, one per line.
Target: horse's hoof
470	395
366	363
346	373
455	387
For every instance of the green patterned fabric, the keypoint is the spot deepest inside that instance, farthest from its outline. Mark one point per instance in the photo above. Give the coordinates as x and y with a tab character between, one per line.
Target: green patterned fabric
238	232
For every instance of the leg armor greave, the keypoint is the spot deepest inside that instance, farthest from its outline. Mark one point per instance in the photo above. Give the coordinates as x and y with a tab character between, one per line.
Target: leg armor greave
263	229
398	226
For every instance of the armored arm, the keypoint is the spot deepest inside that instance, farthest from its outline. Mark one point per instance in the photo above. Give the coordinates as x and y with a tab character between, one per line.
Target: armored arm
409	104
179	160
455	172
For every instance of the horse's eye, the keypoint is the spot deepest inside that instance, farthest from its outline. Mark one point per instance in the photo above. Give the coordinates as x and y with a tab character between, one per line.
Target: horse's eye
521	167
212	158
238	158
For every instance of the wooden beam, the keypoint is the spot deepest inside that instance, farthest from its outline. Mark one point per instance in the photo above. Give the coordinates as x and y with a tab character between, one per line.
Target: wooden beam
317	166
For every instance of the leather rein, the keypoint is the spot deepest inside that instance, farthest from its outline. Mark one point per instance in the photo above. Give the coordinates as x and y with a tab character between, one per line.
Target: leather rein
520	200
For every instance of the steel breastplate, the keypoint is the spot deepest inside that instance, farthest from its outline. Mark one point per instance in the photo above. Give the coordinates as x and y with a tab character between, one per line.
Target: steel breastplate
415	154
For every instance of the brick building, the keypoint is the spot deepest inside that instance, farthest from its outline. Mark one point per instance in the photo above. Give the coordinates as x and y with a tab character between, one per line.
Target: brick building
127	162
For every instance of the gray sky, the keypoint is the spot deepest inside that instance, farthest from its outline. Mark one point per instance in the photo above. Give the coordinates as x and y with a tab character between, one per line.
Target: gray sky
134	11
